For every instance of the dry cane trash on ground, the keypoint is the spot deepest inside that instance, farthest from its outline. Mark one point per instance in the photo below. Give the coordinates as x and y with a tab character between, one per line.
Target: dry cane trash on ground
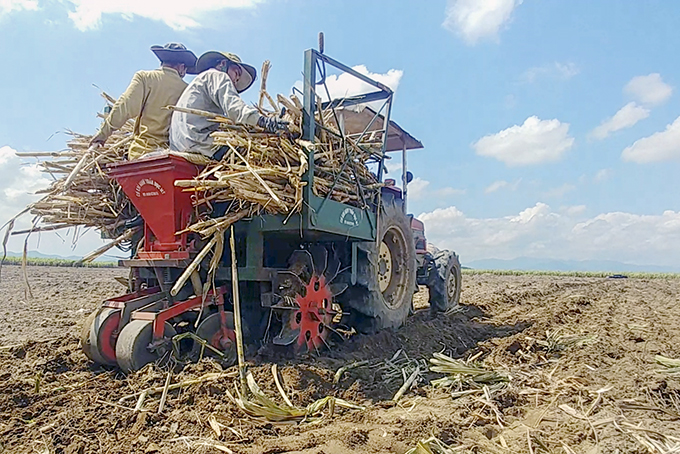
464	374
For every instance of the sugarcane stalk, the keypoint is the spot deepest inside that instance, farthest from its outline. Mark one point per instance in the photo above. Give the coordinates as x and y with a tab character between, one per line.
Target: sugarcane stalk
192	266
237	315
99	251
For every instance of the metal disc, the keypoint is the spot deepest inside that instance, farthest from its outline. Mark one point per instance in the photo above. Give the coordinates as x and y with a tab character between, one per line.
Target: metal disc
85	344
306	323
224	340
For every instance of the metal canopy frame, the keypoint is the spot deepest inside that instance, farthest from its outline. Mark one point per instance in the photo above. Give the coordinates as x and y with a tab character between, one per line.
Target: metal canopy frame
317	61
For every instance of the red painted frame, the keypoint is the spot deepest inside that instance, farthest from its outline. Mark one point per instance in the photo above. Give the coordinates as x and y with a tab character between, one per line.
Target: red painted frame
178	308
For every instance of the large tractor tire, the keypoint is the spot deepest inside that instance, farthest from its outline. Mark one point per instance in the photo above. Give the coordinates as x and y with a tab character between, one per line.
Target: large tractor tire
444	281
386	274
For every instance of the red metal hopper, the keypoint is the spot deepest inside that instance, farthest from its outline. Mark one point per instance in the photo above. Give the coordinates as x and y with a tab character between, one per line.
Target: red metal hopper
149	183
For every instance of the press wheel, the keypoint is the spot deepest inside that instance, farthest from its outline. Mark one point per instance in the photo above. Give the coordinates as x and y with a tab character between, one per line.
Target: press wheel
104	335
134	349
85	344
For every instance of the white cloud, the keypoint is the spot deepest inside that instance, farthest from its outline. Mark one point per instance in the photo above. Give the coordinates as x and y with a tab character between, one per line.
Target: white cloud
534	142
650	89
495	186
419	189
574	210
538	231
501	184
344	85
17	183
625	118
178	15
556	70
474	20
602	175
449	192
660	146
8	6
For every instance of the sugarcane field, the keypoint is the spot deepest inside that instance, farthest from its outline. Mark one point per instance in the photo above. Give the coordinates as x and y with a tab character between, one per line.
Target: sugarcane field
256	259
531	364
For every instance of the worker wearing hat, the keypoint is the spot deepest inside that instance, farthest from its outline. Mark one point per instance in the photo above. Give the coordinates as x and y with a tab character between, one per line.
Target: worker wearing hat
144	100
221	77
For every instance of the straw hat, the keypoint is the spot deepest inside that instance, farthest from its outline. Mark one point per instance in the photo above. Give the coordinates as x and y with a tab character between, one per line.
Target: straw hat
176	53
211	58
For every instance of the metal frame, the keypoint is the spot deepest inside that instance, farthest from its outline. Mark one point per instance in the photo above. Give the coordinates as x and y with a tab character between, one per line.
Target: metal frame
315	62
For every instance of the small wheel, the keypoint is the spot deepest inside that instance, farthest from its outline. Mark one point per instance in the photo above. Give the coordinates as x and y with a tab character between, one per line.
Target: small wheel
444	281
134	350
103	335
85	344
210	329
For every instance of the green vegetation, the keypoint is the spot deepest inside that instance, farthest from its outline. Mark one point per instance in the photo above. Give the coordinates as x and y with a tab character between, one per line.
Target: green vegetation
636	275
35	261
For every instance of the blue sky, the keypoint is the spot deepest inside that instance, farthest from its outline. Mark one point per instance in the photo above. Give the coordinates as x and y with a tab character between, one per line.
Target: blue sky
545	124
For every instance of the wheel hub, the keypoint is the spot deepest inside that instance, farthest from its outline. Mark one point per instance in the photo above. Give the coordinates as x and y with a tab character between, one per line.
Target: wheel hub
451	286
384	266
218	330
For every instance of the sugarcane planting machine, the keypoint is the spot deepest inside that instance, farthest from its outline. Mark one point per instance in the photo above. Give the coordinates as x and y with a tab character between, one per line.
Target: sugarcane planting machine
305	280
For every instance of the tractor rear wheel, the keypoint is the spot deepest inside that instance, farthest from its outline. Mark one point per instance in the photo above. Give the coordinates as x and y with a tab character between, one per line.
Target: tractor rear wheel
134	349
104	335
444	281
386	274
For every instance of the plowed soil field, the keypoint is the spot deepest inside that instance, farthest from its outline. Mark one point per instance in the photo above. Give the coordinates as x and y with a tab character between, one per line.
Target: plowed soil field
578	355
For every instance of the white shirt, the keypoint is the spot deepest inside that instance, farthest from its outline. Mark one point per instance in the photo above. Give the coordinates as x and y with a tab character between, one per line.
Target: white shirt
211	91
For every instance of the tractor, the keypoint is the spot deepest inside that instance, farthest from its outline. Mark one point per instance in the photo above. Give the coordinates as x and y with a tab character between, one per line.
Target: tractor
305	280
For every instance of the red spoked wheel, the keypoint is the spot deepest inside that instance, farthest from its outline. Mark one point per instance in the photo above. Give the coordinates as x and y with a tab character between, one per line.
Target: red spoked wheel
307	322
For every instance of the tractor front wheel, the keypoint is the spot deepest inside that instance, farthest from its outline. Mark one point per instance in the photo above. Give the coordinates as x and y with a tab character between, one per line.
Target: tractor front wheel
444	281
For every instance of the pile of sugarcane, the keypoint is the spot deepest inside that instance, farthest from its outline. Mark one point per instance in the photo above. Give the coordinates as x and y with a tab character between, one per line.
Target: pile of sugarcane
259	173
81	194
264	172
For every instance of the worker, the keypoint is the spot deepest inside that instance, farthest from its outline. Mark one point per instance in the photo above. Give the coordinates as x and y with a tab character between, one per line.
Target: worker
221	77
144	100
